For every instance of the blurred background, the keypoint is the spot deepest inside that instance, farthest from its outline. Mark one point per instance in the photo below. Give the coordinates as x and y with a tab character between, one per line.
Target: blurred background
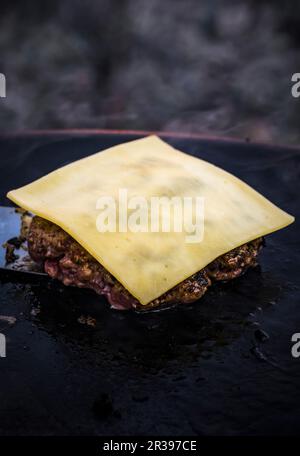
213	67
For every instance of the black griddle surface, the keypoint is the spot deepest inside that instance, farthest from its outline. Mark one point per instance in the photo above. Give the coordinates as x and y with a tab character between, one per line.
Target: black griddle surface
201	369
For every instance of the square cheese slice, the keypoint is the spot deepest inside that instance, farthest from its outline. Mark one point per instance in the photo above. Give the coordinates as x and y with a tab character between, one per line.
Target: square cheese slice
150	263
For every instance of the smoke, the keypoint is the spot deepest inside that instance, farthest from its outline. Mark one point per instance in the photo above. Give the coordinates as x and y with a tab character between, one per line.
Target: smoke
212	67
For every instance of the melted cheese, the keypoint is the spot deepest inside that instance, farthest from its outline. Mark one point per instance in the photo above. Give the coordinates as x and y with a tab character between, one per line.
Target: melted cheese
149	264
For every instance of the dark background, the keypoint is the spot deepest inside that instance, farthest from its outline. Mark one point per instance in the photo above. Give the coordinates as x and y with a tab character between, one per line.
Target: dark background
220	366
212	67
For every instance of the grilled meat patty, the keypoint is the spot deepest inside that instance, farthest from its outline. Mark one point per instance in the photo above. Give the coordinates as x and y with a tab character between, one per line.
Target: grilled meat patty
66	260
236	262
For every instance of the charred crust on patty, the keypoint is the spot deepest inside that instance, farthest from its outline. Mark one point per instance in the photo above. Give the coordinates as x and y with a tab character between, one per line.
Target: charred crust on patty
66	260
236	262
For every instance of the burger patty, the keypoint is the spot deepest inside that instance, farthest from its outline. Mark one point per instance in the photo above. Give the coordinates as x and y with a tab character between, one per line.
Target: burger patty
234	263
66	260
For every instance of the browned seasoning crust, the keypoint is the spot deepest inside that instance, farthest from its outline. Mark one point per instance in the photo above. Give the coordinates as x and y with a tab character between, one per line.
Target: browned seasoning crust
66	260
236	262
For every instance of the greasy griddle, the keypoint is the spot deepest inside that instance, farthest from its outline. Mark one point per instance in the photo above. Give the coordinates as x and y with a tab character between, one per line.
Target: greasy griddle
222	365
